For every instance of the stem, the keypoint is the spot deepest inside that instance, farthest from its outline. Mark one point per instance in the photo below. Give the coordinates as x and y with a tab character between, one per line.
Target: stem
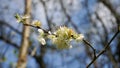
36	27
85	41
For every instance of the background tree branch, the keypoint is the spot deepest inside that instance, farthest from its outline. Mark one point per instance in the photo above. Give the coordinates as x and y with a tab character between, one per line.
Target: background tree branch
22	60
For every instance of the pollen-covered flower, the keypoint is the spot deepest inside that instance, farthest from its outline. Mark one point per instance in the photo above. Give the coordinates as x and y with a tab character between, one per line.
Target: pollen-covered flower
63	36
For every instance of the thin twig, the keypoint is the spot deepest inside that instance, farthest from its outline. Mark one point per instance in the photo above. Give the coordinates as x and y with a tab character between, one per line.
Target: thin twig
46	15
9	42
86	42
46	31
32	26
11	27
104	49
67	15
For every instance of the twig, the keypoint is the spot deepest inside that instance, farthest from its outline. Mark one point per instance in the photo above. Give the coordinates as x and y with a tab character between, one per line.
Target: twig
68	16
46	15
8	25
46	31
9	42
86	42
104	49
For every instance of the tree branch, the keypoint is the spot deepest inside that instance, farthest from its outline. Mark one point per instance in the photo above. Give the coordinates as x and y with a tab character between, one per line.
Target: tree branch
86	42
104	40
103	50
8	25
22	60
45	10
66	14
109	6
10	42
46	31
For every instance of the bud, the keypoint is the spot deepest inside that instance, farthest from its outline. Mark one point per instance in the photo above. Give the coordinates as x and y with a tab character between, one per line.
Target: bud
36	23
42	41
41	37
17	16
41	31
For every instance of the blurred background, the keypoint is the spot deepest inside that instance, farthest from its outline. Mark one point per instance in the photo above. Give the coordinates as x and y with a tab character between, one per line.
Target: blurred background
96	19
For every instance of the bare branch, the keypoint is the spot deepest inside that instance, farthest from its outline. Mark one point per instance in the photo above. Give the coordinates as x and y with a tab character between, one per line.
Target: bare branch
8	25
46	31
103	50
9	42
109	6
45	10
104	40
86	42
66	14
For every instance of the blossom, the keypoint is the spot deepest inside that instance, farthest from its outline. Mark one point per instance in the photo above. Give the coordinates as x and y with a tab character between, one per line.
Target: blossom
41	38
36	23
63	36
80	37
41	31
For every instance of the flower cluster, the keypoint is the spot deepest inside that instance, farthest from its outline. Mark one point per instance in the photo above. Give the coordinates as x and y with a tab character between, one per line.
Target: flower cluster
61	38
